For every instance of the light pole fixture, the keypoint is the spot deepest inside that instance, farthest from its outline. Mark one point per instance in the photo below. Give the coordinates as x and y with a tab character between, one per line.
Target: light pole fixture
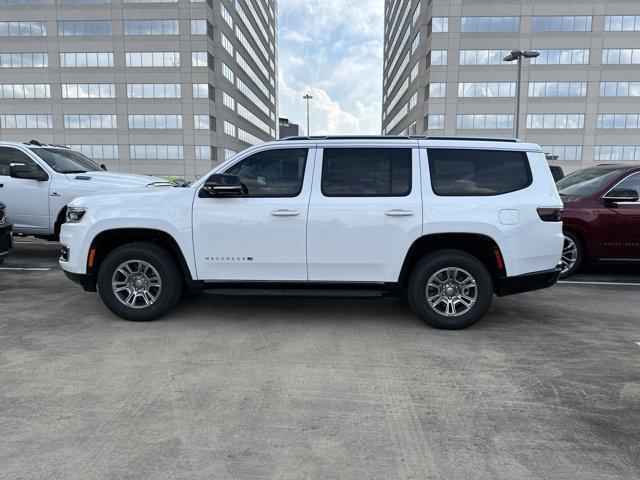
517	55
308	97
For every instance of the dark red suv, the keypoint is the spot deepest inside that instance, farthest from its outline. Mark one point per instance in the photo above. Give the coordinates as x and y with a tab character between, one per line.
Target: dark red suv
601	216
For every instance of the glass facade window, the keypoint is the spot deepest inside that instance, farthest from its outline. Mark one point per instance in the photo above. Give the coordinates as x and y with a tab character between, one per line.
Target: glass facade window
557	121
152	59
198	27
618	121
228	153
486	89
564	152
155	121
31	121
620	89
97	121
81	2
566	23
229	128
490	24
228	101
247	137
484	57
244	88
439	25
22	29
253	118
414	72
228	73
434	122
86	59
199	59
485	122
413	101
149	1
203	152
156	152
436	90
558	89
19	3
88	90
622	23
153	90
151	27
617	153
415	43
21	91
203	90
562	57
226	43
97	151
24	60
621	56
437	57
84	28
226	15
203	122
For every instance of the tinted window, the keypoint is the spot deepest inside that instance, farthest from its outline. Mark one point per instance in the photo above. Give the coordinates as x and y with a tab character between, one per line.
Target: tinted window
630	183
477	172
13	155
366	172
66	161
273	173
585	183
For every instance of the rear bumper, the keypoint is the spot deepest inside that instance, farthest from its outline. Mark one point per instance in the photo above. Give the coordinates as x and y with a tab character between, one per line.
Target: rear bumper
6	241
86	281
526	283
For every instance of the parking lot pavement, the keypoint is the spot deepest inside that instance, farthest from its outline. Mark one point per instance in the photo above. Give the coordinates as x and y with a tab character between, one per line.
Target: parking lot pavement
547	386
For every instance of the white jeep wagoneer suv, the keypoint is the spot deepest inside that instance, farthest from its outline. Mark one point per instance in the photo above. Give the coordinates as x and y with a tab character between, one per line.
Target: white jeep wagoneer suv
447	222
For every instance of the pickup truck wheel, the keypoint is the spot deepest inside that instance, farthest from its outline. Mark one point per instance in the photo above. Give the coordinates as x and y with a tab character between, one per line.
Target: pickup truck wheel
450	289
139	282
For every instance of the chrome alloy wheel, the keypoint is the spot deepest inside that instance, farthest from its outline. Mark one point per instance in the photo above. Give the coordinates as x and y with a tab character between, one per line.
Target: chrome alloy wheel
569	255
136	284
451	291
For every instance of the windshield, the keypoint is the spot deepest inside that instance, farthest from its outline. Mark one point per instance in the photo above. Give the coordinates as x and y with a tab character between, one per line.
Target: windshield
66	161
585	183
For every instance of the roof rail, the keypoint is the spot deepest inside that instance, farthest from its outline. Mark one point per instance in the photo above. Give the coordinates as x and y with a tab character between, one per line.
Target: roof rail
399	137
474	139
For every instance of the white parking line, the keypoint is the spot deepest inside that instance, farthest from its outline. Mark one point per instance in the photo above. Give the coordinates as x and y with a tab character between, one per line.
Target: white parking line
25	269
626	284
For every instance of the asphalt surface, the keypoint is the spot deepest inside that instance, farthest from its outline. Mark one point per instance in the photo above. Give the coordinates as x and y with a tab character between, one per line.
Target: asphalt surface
547	386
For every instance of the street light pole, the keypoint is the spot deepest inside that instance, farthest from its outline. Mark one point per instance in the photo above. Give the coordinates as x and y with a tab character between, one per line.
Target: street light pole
308	97
518	55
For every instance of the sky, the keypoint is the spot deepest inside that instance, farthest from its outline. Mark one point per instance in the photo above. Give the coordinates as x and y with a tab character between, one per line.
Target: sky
332	50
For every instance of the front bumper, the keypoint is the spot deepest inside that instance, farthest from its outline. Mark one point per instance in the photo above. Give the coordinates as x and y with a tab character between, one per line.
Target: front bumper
86	281
526	283
6	241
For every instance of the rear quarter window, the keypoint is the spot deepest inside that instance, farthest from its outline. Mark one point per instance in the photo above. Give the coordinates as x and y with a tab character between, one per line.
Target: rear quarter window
460	172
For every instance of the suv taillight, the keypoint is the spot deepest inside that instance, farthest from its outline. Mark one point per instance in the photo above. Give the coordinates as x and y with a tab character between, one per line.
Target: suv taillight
550	214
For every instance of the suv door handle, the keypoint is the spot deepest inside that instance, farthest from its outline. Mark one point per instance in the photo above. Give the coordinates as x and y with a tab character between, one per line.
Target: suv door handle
285	213
398	212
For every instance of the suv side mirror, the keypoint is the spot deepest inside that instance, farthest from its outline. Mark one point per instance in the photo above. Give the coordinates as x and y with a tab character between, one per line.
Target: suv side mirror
223	185
621	195
20	170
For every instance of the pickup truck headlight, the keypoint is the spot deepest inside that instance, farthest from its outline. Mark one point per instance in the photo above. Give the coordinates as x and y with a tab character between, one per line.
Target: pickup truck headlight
75	214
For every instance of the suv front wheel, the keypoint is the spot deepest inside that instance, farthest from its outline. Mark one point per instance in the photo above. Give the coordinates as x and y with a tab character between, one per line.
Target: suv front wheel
139	281
450	289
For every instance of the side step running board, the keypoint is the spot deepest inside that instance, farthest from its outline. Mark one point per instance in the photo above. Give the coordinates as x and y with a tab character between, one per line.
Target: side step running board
295	292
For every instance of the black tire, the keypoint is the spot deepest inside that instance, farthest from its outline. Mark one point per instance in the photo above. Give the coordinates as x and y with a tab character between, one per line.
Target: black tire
579	255
165	265
435	262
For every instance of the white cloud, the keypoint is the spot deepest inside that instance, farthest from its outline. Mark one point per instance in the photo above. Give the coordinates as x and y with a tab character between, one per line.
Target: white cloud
295	36
341	67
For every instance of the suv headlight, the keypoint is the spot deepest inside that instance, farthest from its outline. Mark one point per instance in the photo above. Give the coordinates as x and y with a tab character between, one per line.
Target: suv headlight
75	214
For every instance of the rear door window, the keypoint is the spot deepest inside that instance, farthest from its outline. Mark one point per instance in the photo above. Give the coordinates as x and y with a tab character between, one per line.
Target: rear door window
460	172
366	172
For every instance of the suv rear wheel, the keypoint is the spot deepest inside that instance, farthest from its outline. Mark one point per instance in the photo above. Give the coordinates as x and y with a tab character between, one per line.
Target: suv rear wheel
139	281
450	289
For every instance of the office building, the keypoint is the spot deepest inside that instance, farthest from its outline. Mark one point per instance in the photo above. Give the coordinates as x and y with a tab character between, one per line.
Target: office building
288	129
444	74
166	87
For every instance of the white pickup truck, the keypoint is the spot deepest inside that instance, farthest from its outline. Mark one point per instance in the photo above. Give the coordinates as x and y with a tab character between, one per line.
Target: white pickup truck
38	181
446	222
